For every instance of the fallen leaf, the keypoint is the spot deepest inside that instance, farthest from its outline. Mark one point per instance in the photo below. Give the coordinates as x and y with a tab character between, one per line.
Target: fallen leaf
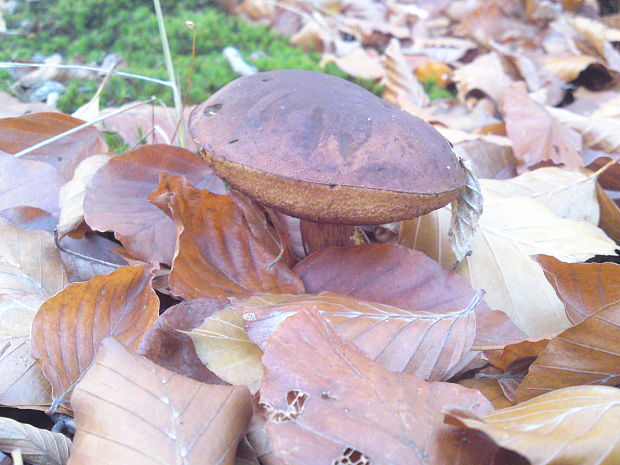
583	354
383	273
610	214
116	199
166	343
500	262
29	262
402	88
217	254
68	328
37	446
489	387
22	383
129	410
72	193
568	68
12	107
487	74
573	426
535	134
17	134
30	218
423	344
225	349
584	288
28	183
327	403
597	133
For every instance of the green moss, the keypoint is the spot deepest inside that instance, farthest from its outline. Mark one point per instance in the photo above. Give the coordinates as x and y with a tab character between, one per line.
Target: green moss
88	30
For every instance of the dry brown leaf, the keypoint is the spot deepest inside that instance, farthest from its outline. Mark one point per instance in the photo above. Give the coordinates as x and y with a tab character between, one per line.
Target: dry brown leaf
362	63
37	446
30	218
501	264
217	254
573	426
166	343
402	88
327	403
22	383
68	328
72	194
29	262
466	211
486	382
17	134
584	288
129	410
489	160
535	134
487	74
583	354
597	133
224	347
28	183
116	199
394	275
11	107
423	344
568	68
599	36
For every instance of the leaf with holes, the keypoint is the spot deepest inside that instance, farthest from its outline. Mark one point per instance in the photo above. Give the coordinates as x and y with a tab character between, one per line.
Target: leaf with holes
116	198
129	410
572	426
587	353
584	288
68	328
428	345
328	403
218	255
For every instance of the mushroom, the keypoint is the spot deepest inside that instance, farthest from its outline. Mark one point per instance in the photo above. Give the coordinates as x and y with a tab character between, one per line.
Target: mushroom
322	149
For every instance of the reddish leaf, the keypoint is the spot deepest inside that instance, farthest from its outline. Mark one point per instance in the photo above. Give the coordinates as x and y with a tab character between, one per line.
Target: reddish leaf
89	256
584	288
116	199
398	276
30	218
129	410
68	328
218	255
17	134
173	350
584	354
28	183
536	135
426	345
328	403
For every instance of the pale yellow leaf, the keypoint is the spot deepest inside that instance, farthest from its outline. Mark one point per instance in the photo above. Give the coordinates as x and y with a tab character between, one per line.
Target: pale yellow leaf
598	133
571	426
224	347
485	73
568	68
510	230
72	194
402	88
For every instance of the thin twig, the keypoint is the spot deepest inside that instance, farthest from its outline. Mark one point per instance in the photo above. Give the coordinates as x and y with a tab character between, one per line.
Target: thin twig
9	64
79	128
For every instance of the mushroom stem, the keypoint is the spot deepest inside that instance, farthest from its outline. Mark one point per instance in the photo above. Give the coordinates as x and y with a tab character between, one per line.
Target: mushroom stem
317	236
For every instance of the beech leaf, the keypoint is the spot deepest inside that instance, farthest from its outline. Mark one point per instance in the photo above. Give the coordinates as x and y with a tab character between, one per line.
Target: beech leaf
572	426
427	345
37	446
129	410
68	328
327	403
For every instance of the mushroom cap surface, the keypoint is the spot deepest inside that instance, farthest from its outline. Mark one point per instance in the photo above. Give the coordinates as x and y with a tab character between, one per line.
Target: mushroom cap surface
318	147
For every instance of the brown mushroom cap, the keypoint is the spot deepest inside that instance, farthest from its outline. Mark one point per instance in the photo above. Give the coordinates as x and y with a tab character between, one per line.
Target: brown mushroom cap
318	147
